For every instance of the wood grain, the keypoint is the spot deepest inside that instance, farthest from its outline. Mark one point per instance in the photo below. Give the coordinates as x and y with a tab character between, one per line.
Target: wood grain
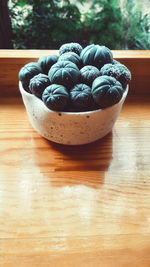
75	205
12	60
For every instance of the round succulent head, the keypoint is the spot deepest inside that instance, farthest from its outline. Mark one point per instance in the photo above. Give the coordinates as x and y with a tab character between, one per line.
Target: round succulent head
106	91
118	71
89	74
38	83
71	56
55	97
46	62
65	73
70	47
81	97
27	72
96	55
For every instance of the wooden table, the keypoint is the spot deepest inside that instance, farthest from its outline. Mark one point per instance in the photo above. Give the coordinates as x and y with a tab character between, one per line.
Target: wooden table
85	206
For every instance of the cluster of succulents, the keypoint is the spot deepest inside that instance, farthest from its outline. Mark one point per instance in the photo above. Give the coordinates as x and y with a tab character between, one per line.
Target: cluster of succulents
78	79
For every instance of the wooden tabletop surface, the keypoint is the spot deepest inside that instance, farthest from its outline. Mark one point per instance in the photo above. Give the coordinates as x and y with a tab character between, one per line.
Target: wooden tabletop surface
75	206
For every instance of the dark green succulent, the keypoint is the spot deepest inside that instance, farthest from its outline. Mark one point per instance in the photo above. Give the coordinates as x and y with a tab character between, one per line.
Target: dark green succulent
27	72
71	56
81	97
106	91
96	55
38	84
65	73
118	71
55	97
89	74
70	47
46	62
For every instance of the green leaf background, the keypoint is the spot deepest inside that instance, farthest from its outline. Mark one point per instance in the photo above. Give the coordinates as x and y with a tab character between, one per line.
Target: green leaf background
47	24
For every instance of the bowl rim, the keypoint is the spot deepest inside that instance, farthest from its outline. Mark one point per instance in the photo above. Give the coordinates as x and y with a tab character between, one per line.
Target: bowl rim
23	91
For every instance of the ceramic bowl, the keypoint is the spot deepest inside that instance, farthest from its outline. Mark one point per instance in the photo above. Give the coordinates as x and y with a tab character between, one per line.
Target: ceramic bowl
70	128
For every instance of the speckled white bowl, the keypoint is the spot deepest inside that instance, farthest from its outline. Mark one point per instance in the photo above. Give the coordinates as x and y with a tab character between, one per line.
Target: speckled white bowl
70	128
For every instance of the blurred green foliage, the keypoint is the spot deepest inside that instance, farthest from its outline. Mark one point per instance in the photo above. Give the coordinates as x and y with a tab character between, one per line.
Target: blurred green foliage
47	24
